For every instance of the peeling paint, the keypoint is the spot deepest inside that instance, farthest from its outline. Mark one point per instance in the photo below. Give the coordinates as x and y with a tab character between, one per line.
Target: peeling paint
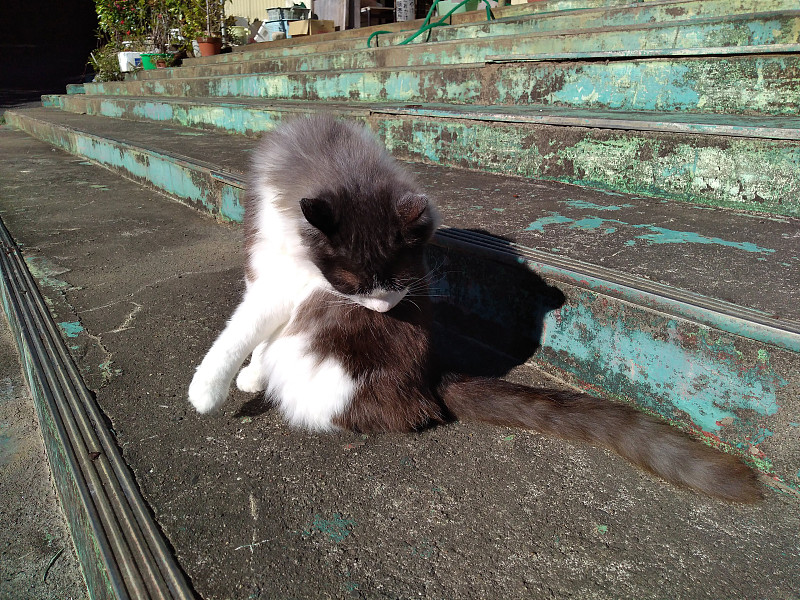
336	528
46	272
743	173
71	329
600	347
736	85
658	235
662	235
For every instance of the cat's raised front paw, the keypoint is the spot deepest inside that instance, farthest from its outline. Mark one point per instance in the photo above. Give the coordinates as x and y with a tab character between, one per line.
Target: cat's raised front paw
205	393
250	380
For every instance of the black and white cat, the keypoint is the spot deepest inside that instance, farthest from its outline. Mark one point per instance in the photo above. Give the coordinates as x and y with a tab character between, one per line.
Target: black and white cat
338	321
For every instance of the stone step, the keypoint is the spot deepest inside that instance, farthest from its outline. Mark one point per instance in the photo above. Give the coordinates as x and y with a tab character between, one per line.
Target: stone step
649	319
756	80
538	16
719	160
253	508
644	26
772	29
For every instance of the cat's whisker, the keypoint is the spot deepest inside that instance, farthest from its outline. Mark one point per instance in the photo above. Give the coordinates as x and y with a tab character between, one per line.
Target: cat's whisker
415	304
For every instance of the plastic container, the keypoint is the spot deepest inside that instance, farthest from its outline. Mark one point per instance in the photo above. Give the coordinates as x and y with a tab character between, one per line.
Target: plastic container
128	61
288	14
154	60
270	28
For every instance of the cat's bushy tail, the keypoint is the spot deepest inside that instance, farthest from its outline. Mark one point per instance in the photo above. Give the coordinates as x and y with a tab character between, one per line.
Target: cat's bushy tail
643	440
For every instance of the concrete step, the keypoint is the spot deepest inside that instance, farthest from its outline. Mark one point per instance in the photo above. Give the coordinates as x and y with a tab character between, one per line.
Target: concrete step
592	30
642	276
764	30
741	80
252	508
718	160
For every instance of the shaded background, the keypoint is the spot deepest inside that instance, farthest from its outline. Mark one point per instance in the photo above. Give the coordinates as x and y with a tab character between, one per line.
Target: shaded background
44	46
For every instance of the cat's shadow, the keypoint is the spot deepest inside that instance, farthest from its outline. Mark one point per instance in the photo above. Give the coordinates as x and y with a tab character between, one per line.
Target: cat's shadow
489	309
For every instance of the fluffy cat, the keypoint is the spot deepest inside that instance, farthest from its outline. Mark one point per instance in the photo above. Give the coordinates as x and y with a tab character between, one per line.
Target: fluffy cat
338	321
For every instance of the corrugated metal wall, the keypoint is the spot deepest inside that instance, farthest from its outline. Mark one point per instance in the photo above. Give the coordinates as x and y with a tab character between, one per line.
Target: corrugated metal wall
251	9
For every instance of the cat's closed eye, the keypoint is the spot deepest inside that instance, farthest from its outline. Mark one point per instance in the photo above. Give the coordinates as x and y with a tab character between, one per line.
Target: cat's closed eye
344	281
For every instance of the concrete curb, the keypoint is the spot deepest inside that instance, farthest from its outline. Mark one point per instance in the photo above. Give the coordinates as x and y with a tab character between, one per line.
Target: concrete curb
121	550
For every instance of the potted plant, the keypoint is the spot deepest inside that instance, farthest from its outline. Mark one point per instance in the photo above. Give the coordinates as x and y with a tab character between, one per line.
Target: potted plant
202	20
121	24
161	17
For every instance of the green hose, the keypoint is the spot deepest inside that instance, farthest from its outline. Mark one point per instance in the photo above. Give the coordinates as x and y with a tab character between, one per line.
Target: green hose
427	25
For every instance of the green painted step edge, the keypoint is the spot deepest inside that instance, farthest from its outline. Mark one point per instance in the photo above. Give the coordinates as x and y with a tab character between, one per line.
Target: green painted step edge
629	14
121	549
735	172
691	124
629	350
101	576
208	114
223	197
751	84
692	52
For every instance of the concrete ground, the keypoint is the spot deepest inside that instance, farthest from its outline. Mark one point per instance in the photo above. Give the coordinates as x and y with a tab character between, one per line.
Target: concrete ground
37	558
141	285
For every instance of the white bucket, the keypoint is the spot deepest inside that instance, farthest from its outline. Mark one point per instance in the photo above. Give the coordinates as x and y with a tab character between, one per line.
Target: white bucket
128	61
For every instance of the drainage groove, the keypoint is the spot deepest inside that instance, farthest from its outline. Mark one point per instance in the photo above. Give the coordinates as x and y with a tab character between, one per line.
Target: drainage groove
122	552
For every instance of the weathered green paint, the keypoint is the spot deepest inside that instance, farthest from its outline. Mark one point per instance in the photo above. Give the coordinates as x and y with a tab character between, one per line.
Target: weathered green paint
621	353
661	299
565	21
737	391
618	16
190	182
634	53
757	174
52	101
231	204
753	174
748	84
733	85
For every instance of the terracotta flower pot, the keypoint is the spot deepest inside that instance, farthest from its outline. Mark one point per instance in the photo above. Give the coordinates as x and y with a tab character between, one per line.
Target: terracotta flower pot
209	46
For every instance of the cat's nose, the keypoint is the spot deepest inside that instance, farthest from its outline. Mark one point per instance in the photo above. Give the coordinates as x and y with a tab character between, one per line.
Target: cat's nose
382	300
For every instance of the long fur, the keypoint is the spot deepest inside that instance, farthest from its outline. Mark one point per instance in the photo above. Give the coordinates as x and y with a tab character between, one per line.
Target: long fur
338	320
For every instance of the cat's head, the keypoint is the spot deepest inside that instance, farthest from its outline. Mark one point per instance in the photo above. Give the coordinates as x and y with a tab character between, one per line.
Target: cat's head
370	249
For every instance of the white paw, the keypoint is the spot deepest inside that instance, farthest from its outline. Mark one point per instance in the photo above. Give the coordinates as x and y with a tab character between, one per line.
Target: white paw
206	393
250	380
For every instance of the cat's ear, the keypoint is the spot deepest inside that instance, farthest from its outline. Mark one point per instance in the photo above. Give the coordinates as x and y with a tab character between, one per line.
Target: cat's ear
412	207
319	213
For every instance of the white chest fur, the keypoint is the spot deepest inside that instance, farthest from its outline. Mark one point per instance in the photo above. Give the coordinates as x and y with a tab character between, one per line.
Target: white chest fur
310	392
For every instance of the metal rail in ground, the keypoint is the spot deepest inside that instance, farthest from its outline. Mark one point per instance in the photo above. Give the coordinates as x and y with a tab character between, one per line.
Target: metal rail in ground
122	552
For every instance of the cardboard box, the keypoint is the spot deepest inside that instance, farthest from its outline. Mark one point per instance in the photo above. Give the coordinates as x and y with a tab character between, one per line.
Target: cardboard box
310	27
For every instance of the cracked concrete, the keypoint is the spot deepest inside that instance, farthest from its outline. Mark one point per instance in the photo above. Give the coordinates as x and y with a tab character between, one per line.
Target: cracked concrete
257	510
